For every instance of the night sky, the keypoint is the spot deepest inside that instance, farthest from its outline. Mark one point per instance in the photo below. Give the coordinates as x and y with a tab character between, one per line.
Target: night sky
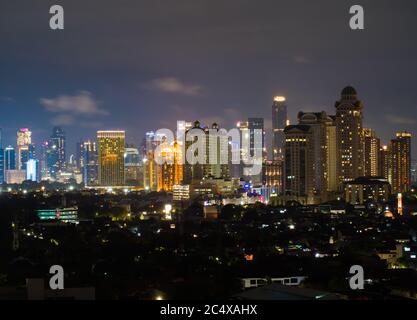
142	65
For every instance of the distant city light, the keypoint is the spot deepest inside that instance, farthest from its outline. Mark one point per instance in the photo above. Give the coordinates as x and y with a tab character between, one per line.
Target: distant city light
279	99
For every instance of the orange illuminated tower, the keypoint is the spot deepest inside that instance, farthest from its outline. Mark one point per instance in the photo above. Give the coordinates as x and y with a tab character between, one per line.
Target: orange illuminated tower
171	171
111	149
401	162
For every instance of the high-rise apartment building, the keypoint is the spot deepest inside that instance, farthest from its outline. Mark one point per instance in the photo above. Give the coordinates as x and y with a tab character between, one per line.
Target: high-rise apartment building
371	152
88	162
298	169
253	151
57	144
350	135
25	149
401	162
279	122
133	167
111	149
322	154
384	166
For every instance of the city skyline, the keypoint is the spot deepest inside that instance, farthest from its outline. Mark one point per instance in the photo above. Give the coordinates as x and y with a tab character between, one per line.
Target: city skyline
154	79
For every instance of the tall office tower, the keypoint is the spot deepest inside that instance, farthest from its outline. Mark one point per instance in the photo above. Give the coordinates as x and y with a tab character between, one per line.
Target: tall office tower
371	152
171	172
24	148
253	135
111	149
384	159
193	172
279	122
79	146
58	149
322	154
350	135
151	170
298	165
218	153
413	172
1	158
32	170
89	163
9	158
2	165
272	175
133	167
401	162
45	150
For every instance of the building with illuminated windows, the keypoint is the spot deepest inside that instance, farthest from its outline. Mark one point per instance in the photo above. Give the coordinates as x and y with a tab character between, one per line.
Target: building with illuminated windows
323	153
279	122
401	162
111	150
371	152
67	215
384	159
350	140
25	148
363	190
216	159
88	162
298	170
57	156
171	171
133	167
272	174
32	170
253	151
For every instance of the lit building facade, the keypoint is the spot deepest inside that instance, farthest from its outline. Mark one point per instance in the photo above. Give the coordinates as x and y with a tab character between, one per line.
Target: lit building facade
322	154
89	163
25	149
350	135
272	174
384	159
133	167
171	171
298	170
372	146
279	122
363	190
111	149
401	162
57	156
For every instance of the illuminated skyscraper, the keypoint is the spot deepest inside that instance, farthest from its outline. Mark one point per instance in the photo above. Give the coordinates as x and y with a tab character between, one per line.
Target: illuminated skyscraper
88	162
253	151
322	154
401	162
298	165
58	150
384	159
32	170
25	149
2	164
350	135
371	156
279	122
9	158
171	171
111	149
133	167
